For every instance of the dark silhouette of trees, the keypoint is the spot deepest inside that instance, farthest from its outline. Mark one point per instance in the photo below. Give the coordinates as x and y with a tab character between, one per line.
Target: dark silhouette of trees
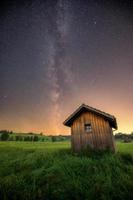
124	137
35	138
4	136
53	138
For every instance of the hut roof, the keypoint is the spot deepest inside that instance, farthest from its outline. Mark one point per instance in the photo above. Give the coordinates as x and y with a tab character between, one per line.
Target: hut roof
83	108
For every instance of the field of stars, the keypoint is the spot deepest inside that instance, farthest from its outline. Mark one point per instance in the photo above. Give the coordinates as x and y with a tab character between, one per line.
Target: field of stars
56	55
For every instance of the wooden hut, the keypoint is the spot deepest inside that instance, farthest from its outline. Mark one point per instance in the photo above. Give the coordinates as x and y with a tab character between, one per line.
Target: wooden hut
91	127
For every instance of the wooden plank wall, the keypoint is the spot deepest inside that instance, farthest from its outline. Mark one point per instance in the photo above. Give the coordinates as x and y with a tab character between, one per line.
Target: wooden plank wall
101	136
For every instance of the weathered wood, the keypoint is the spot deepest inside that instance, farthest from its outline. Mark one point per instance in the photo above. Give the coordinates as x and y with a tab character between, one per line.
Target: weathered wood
101	136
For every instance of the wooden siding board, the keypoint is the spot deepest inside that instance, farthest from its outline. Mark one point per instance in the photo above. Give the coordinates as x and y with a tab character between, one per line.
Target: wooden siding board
93	133
99	138
98	131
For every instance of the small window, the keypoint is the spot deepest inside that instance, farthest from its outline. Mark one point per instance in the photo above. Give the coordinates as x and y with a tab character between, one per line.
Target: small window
88	128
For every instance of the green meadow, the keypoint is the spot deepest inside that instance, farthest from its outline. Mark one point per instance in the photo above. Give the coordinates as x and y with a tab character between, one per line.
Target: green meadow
50	171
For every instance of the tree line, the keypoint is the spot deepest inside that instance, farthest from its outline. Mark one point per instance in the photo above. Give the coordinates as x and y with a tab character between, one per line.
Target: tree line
10	136
6	135
124	137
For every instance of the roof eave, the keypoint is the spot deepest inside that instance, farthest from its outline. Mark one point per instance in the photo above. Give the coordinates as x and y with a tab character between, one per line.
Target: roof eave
68	122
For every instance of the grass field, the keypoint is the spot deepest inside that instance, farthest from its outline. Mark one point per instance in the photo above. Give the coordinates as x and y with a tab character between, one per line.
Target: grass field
50	171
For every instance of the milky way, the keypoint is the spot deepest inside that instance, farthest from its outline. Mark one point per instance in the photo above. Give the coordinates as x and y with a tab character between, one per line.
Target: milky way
59	70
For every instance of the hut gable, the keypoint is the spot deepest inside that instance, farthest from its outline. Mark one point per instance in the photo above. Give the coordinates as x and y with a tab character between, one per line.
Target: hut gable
91	127
84	108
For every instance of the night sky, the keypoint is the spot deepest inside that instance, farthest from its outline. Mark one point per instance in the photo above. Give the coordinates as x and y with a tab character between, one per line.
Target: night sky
56	55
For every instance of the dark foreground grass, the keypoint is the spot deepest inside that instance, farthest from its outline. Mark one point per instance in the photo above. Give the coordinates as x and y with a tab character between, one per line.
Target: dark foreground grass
56	174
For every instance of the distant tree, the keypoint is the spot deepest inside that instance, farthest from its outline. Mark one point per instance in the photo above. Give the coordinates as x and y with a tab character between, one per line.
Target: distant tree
53	138
17	138
26	138
30	138
4	131
124	137
42	139
4	136
30	133
21	138
11	138
127	140
35	138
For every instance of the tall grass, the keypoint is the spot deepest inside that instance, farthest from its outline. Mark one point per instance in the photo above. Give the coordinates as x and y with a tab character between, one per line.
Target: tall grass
58	174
